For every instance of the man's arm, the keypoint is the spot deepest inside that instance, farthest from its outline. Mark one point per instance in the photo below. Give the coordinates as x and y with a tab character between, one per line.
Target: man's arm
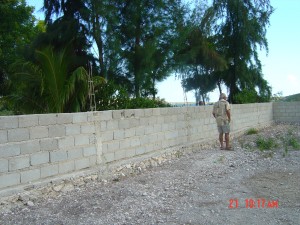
228	115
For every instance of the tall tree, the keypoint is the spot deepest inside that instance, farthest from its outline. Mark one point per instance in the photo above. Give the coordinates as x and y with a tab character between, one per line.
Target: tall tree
146	29
239	27
17	29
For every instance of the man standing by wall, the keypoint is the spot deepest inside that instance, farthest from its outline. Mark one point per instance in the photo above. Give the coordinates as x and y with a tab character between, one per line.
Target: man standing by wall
221	112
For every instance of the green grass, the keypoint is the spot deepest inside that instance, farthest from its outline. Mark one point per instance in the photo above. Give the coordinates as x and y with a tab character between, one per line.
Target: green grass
251	131
266	144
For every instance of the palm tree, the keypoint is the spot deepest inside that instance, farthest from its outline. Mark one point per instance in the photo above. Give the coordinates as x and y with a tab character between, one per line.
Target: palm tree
51	85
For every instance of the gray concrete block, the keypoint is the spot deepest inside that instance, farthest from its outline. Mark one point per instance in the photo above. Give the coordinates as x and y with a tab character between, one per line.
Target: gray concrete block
30	175
8	150
49	170
39	158
29	147
75	153
39	132
112	125
119	134
17	163
65	118
88	129
3	165
107	136
125	143
47	119
8	122
57	130
134	142
113	146
65	167
106	115
120	155
82	163
66	142
28	120
3	136
18	134
93	161
49	144
58	156
7	180
130	152
109	157
82	139
79	117
72	129
89	151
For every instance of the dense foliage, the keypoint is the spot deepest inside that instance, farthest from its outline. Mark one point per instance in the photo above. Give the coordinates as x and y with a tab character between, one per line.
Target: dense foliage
125	48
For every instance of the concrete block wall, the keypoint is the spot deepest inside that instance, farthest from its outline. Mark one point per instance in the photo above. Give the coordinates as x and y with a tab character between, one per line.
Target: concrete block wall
39	147
34	147
287	111
245	116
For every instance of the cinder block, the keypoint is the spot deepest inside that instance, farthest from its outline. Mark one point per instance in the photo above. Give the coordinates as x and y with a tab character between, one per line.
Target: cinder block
106	115
125	143
129	133
88	129
17	163
47	119
119	134
112	125
10	179
3	165
49	144
79	117
75	153
135	142
57	130
107	136
65	167
140	150
58	156
8	150
30	147
28	121
130	152
30	175
72	129
19	134
49	170
113	146
39	132
120	155
8	122
109	157
3	136
39	158
93	161
65	118
66	142
82	163
82	139
89	151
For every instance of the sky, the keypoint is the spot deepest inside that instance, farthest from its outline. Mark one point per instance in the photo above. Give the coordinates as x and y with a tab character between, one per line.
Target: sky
280	66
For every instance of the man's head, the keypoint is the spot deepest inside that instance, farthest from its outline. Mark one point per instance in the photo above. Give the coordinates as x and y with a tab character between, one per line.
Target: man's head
222	96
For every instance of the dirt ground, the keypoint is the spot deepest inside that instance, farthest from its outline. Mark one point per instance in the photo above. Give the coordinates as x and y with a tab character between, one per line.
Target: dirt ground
204	186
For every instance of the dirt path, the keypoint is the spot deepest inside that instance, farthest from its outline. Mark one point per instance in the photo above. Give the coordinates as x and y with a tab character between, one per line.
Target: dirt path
210	186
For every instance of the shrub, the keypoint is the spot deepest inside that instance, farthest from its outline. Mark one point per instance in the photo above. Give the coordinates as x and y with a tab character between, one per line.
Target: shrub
265	144
251	131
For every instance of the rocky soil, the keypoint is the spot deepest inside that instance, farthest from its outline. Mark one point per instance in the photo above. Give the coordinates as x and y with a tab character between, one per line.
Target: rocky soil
201	185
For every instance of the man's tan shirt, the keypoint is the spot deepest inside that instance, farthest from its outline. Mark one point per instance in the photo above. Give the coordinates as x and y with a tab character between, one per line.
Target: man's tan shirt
219	111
